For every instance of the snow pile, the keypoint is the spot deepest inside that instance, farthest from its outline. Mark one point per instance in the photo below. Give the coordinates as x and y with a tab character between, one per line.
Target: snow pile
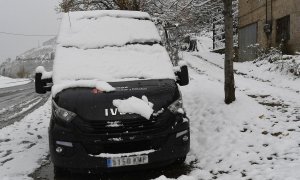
274	61
135	105
9	82
98	29
100	85
24	144
283	72
286	65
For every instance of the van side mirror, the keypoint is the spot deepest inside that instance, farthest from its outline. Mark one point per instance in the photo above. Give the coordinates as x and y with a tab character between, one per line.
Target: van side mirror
183	76
43	80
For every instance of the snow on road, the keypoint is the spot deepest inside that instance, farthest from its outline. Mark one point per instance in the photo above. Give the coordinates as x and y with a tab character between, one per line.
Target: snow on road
9	82
24	144
18	101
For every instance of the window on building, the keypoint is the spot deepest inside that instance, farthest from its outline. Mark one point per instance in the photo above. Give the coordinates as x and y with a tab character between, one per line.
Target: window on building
283	29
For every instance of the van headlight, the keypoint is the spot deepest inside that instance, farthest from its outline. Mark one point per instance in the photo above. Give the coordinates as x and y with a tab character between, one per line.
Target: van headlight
177	106
62	113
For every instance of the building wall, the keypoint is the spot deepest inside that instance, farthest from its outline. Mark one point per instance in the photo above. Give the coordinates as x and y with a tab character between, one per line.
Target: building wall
254	11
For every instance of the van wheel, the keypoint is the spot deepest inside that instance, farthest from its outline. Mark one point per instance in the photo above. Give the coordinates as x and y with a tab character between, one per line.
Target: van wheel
180	160
59	172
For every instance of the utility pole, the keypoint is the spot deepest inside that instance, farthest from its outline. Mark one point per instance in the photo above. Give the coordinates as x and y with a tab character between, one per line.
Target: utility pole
229	86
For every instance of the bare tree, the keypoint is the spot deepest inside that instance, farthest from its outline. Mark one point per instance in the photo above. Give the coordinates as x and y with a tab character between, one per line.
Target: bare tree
190	14
85	5
229	74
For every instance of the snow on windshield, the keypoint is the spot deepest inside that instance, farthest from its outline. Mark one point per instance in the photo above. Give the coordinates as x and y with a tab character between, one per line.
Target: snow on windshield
98	46
112	64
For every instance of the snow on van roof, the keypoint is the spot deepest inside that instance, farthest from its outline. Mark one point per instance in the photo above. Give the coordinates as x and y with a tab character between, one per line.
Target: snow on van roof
111	13
104	46
97	29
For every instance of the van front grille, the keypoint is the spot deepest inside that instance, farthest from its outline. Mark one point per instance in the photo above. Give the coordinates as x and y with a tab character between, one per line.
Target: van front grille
130	126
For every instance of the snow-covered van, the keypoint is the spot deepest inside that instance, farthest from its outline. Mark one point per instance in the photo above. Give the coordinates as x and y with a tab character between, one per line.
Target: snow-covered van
116	104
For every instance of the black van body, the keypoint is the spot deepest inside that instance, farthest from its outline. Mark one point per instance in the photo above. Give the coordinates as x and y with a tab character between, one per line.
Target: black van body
74	144
87	133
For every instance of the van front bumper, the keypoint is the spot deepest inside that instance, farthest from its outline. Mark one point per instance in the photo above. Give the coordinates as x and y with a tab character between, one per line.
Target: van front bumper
81	153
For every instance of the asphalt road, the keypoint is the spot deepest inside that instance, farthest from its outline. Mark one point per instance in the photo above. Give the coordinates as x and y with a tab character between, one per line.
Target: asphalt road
18	101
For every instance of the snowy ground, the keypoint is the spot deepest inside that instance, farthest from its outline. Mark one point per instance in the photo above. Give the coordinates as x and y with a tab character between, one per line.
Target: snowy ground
24	145
257	137
18	101
9	82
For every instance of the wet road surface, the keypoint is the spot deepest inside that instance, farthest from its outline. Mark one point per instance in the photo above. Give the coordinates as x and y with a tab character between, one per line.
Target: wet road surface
18	101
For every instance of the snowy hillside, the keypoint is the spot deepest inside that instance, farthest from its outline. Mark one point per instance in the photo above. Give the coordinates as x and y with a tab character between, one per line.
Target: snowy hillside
45	52
24	64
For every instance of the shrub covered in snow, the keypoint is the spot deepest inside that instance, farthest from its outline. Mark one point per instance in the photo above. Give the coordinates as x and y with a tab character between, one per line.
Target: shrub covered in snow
276	61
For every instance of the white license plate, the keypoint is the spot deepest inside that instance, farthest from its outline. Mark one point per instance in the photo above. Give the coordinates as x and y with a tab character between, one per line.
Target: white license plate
127	161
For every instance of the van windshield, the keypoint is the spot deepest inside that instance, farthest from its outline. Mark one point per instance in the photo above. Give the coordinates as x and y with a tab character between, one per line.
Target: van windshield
110	47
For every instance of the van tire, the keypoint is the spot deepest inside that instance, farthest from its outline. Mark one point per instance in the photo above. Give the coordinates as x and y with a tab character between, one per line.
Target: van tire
180	160
59	172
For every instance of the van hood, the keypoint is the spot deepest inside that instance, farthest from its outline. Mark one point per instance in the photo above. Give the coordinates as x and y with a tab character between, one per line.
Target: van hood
92	105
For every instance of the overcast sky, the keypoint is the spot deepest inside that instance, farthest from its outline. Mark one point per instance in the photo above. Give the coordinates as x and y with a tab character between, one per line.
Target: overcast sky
26	17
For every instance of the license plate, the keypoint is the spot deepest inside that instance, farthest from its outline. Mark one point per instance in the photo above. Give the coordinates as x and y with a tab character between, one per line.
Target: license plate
127	161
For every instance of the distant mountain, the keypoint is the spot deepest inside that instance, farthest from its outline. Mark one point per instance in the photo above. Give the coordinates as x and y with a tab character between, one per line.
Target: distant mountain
25	64
45	52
